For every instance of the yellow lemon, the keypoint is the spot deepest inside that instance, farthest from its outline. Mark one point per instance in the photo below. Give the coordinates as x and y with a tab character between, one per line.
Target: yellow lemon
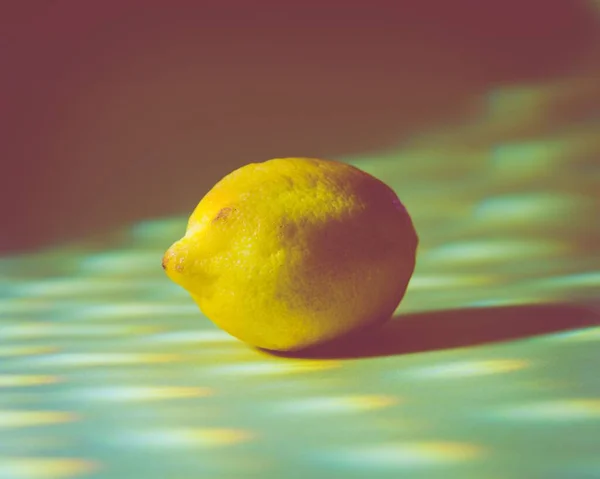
294	252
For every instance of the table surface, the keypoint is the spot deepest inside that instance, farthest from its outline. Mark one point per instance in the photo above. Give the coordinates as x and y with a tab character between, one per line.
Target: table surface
489	369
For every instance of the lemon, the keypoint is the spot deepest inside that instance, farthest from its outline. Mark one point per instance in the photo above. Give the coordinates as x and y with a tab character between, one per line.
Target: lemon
293	252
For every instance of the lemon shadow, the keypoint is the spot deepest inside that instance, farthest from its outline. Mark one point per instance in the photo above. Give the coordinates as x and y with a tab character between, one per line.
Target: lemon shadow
440	330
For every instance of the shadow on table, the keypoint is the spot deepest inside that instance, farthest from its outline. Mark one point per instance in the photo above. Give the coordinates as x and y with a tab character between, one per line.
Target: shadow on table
459	328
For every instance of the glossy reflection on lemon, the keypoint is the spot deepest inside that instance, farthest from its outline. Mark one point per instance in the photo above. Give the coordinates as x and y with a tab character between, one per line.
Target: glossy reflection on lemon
294	252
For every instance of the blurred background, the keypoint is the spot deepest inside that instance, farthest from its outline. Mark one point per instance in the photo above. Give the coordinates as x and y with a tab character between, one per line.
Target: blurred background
116	117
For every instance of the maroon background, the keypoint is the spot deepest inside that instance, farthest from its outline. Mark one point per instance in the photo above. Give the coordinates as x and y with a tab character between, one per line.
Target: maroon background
112	111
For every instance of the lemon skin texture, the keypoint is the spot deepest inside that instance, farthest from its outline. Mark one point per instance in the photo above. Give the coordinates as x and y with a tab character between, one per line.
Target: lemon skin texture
294	252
